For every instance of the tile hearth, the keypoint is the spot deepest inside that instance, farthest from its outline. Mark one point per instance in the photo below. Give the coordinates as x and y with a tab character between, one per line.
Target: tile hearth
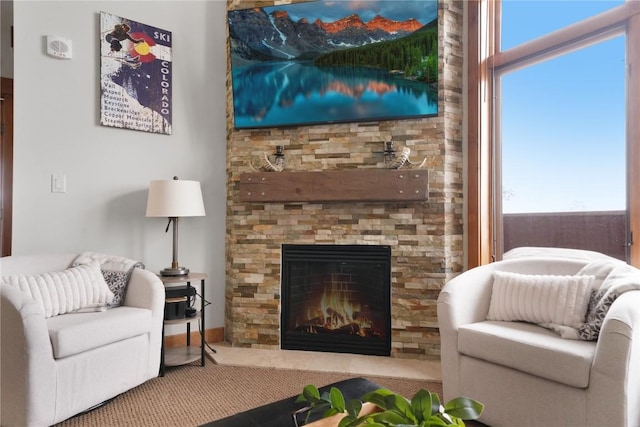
326	362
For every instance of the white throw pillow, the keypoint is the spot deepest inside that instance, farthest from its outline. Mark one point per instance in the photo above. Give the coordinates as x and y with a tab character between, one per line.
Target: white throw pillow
560	300
65	291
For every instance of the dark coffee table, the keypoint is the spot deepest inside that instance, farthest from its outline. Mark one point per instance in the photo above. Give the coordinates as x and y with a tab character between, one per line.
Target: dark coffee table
280	413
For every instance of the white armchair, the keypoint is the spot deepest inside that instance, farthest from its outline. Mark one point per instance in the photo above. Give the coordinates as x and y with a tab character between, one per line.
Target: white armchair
98	355
527	375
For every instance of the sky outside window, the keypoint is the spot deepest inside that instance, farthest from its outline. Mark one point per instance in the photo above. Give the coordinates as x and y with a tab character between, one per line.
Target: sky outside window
563	120
524	20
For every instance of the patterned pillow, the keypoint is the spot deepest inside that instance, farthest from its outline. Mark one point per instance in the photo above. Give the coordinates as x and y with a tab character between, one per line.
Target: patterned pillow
117	282
599	305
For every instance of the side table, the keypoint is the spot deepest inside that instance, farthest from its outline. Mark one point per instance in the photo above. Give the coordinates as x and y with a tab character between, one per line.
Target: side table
187	354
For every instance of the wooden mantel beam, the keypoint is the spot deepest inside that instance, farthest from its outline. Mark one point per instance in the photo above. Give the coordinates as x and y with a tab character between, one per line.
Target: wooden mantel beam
355	185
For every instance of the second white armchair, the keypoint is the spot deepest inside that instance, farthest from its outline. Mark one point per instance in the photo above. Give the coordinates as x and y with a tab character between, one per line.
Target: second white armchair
528	375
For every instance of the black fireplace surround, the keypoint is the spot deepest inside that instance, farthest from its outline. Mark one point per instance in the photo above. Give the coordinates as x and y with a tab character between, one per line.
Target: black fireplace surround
336	298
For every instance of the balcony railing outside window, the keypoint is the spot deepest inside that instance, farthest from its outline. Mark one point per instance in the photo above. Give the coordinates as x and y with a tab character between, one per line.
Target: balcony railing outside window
595	231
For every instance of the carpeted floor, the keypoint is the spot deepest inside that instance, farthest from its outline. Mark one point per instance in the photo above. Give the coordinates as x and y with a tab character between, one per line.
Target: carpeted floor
192	395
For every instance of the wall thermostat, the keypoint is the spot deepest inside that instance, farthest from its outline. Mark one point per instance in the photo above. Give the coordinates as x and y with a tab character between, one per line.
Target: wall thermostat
59	47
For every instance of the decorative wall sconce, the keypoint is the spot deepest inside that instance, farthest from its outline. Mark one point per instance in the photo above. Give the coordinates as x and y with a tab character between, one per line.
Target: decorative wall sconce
389	153
276	166
394	161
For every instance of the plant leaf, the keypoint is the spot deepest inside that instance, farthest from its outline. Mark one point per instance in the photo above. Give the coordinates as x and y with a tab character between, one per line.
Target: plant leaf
402	406
377	397
390	418
354	407
337	399
421	405
436	421
464	408
310	394
330	412
325	397
435	404
450	421
349	421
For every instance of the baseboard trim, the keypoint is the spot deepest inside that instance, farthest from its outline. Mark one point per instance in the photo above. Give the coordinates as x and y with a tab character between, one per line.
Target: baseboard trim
210	335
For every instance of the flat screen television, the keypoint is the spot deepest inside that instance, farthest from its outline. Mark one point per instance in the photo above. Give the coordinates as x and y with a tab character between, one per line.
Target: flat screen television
334	62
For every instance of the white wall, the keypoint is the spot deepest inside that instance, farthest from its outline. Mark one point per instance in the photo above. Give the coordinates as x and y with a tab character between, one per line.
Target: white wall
108	170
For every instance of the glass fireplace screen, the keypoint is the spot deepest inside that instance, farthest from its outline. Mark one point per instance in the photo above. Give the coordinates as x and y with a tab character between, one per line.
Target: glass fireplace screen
336	298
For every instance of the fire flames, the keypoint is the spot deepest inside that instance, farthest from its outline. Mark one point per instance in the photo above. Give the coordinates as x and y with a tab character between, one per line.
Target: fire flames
337	311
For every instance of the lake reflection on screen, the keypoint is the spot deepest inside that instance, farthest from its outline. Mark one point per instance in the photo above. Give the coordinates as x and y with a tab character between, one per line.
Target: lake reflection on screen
293	93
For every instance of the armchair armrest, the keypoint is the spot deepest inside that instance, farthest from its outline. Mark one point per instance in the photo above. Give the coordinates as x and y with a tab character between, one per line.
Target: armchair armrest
146	290
616	364
465	299
620	328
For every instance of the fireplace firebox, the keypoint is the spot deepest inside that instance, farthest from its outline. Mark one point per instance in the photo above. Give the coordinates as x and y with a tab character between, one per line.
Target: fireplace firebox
336	298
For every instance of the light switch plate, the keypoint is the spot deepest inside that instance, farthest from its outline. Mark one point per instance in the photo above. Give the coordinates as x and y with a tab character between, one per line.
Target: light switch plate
58	183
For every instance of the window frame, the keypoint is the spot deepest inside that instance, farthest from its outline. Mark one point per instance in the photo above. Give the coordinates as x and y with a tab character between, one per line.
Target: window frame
486	61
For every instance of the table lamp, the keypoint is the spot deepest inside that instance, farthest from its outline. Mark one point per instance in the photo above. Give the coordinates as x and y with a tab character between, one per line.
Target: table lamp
174	199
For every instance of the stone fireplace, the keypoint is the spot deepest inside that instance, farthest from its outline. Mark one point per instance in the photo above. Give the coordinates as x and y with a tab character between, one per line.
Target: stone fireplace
425	237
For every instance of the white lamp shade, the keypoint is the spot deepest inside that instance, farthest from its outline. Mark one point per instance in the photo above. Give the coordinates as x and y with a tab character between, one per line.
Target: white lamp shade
175	198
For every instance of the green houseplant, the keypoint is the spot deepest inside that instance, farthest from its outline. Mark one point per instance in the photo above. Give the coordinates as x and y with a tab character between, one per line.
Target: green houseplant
390	409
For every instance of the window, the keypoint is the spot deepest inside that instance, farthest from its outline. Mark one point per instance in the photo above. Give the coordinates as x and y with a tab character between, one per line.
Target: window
562	152
548	110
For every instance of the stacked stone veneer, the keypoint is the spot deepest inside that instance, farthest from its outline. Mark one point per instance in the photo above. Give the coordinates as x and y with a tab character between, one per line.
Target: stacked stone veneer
425	237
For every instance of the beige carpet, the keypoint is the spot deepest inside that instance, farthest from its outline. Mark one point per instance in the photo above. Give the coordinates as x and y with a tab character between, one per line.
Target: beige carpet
192	395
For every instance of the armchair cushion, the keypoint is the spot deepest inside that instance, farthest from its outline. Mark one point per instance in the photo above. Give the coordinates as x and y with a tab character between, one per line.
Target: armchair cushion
61	292
542	298
79	332
529	348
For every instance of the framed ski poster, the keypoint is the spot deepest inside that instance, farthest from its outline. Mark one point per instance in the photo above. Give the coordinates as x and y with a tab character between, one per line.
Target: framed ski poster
135	75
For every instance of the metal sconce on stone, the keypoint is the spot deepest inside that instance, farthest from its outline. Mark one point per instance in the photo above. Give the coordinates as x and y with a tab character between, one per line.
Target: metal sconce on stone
267	165
394	161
